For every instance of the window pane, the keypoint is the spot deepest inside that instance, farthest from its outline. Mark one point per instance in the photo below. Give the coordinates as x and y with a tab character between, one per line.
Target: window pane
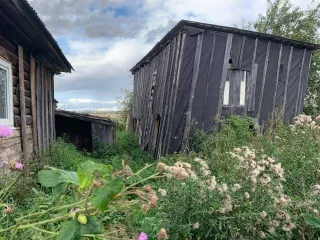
3	94
226	93
243	89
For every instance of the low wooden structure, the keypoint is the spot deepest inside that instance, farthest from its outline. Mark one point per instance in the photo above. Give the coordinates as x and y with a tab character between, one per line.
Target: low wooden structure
84	130
201	72
29	59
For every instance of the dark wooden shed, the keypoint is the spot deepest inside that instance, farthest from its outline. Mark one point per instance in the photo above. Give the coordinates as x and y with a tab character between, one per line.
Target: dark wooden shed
83	130
201	72
29	59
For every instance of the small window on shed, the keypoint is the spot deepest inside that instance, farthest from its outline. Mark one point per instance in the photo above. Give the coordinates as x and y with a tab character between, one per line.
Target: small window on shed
235	88
243	89
226	93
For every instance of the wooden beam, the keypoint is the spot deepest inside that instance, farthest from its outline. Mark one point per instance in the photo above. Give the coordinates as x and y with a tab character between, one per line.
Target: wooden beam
185	139
277	80
33	102
263	79
23	127
297	108
286	84
224	74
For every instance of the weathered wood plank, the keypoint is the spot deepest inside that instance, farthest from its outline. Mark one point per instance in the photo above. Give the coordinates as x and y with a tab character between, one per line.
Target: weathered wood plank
286	84
23	127
33	102
237	78
46	102
38	105
224	73
9	56
230	78
304	85
277	81
296	110
185	139
42	102
242	50
263	79
8	45
250	94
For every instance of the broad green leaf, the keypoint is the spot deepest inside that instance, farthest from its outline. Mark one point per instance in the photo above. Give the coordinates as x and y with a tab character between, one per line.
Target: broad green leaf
86	172
54	177
70	231
92	227
314	222
102	196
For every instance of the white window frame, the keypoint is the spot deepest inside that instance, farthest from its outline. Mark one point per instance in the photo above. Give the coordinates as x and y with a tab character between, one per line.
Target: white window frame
226	93
7	67
243	84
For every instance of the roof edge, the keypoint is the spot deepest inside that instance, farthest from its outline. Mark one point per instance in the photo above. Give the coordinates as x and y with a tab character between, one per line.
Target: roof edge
186	23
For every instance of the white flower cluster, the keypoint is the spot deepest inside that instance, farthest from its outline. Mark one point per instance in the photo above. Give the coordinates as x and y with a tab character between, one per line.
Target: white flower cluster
180	170
265	173
305	121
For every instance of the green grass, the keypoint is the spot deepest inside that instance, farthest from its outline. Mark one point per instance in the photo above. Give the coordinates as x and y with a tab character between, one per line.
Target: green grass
298	152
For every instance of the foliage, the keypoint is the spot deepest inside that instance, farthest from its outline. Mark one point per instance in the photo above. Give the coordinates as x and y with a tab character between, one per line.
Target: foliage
125	103
221	195
96	190
285	20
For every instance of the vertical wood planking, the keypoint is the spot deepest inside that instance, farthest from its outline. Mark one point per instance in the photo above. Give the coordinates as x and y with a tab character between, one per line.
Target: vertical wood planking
50	108
38	94
277	80
174	80
297	107
304	85
286	84
263	79
43	86
224	73
23	127
242	50
46	107
208	79
230	78
33	102
196	65
53	109
237	77
250	89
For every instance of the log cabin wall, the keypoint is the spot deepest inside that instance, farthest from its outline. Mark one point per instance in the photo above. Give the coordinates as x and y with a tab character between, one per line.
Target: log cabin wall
180	84
35	57
38	105
11	147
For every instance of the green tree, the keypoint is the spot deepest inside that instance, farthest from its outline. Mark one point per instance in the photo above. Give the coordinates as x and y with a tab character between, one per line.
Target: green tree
125	103
284	19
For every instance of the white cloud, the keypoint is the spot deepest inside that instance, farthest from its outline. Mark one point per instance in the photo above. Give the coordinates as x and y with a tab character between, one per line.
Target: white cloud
104	43
87	100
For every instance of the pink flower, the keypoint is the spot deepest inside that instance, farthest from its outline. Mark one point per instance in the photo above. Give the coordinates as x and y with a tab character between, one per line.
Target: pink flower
5	131
143	236
18	166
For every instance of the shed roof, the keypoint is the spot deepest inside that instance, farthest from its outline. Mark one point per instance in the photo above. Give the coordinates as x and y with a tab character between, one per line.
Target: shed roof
84	117
37	37
185	24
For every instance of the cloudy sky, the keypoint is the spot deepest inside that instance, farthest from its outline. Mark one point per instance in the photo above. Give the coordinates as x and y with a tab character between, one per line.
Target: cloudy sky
103	39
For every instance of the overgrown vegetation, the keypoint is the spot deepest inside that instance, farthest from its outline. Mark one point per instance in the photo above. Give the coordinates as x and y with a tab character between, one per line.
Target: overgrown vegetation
236	184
